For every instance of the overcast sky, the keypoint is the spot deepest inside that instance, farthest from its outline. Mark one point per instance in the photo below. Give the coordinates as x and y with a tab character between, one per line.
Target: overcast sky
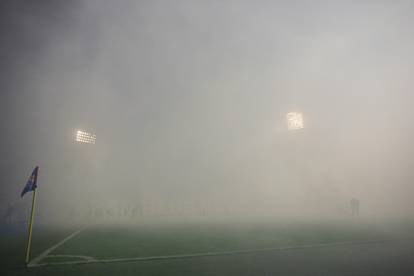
188	100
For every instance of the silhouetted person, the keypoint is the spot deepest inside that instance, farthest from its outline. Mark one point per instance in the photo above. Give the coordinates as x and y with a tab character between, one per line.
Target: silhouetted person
8	216
354	207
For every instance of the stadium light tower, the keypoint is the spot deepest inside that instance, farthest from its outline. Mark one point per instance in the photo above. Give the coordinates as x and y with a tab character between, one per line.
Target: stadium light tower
294	121
85	137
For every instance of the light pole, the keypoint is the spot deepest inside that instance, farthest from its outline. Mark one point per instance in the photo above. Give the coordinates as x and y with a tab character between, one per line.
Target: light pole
85	163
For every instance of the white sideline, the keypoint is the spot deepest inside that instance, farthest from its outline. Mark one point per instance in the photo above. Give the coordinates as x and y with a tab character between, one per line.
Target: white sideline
44	254
210	254
70	256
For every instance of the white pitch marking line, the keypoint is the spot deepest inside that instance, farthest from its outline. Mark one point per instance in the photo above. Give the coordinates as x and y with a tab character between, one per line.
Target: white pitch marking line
211	254
35	261
88	258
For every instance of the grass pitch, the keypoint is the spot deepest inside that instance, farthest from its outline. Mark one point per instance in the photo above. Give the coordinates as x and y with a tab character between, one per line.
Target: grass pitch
191	248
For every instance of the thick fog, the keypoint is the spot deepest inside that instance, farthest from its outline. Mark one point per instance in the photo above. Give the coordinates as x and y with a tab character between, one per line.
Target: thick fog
188	101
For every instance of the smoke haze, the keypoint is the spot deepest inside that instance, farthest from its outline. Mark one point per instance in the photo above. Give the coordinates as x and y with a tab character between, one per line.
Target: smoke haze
188	100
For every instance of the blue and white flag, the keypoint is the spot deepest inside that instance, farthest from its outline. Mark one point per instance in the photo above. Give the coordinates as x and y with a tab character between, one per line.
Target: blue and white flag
31	184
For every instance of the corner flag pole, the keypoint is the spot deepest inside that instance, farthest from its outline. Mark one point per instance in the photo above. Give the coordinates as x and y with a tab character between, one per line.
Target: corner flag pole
29	239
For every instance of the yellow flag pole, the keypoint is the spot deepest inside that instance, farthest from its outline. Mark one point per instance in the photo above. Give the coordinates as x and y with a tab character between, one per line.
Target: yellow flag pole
29	240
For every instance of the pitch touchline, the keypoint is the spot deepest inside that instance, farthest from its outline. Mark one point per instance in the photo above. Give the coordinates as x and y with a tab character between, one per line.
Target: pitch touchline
44	254
208	254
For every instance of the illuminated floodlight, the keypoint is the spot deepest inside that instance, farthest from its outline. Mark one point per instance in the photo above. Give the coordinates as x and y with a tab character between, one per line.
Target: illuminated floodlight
85	137
294	121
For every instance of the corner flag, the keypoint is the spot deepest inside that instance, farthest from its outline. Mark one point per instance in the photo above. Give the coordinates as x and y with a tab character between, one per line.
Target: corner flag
31	184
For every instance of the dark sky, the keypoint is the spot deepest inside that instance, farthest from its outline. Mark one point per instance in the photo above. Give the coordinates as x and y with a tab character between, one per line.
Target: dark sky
28	29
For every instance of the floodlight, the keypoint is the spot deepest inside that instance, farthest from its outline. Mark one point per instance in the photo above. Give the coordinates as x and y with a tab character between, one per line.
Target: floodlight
294	121
85	137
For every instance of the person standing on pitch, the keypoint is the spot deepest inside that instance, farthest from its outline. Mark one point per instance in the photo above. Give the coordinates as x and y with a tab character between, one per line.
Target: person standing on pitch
8	216
354	207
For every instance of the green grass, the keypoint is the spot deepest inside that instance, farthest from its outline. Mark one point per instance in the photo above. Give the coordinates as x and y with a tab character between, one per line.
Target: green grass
13	245
103	242
160	239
